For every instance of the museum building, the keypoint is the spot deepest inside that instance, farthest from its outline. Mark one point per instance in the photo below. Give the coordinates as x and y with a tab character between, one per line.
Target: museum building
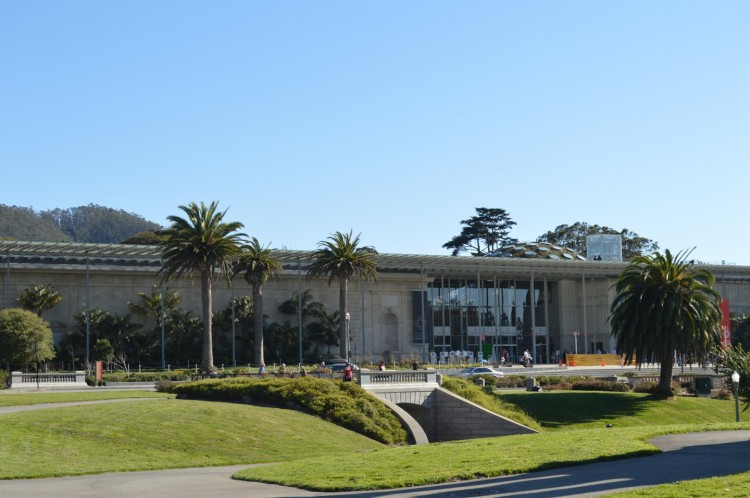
534	296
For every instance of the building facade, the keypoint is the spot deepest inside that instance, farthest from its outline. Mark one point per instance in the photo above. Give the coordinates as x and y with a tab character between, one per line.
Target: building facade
422	306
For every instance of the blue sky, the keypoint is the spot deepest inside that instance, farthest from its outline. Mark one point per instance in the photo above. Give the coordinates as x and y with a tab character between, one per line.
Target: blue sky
390	118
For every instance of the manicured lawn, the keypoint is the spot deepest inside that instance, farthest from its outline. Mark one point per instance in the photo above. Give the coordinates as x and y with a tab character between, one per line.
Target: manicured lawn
445	462
162	433
733	486
635	417
17	399
584	409
169	433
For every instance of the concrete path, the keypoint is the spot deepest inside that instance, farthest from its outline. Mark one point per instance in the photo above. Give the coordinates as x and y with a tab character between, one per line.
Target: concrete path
685	456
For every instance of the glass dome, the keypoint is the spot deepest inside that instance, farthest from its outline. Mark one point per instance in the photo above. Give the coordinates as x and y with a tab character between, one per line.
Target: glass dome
537	250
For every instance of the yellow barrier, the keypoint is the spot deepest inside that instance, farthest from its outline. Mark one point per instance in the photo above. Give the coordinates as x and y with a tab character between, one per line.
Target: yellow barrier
596	360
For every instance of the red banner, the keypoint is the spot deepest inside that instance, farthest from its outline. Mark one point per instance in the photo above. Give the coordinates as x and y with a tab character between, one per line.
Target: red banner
726	334
98	370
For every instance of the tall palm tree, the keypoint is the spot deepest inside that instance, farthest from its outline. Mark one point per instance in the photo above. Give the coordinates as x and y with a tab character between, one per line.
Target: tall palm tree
339	257
665	305
39	298
259	265
202	244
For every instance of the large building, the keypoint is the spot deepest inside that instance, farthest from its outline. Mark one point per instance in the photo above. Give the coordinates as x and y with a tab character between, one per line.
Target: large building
538	297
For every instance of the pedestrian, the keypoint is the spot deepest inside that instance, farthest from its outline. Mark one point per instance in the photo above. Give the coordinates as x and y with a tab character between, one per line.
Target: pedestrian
381	367
348	372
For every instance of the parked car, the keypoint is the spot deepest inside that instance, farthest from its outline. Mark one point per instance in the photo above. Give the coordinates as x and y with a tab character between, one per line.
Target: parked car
339	367
468	372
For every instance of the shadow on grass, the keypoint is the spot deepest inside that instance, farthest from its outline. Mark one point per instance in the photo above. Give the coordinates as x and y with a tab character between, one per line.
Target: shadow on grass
557	409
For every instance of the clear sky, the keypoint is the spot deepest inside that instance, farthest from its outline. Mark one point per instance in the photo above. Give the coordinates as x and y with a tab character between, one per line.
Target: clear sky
390	118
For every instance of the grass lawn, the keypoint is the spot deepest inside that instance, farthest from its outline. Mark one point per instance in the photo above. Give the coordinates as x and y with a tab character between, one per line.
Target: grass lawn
636	418
162	433
588	409
169	433
18	399
445	462
732	486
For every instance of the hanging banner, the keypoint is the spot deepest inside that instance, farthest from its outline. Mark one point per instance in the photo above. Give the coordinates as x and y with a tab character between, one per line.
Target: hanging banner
726	334
98	370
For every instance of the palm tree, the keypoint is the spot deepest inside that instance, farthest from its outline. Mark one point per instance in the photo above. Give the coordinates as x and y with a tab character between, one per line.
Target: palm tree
309	307
150	306
339	258
259	265
39	298
665	305
205	245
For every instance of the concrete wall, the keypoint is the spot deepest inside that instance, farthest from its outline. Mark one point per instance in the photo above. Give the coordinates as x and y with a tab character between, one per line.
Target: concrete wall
457	418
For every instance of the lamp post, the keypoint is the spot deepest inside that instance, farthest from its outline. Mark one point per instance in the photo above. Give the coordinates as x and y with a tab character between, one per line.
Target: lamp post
736	386
576	334
347	316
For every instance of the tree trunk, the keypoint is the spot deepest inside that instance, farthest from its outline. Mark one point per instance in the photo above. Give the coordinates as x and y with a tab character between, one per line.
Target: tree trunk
665	375
343	308
207	363
258	323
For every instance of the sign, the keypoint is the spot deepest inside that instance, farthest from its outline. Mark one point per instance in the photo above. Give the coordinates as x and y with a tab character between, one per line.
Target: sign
726	334
98	370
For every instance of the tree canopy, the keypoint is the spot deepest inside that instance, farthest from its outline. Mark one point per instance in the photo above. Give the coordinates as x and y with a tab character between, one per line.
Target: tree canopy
39	298
24	338
90	223
201	244
574	237
665	306
483	233
258	265
339	258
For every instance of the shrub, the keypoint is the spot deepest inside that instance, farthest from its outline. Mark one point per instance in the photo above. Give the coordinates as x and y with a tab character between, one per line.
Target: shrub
342	403
724	393
123	376
4	379
645	387
599	385
510	381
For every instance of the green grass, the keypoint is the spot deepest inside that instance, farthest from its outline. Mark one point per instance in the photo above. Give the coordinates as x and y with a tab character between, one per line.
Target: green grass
169	433
587	409
731	486
19	399
162	433
445	462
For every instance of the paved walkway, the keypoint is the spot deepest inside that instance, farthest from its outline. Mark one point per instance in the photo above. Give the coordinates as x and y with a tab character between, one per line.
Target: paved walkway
685	456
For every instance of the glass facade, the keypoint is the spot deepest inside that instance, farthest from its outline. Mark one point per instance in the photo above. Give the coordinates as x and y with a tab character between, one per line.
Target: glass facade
490	317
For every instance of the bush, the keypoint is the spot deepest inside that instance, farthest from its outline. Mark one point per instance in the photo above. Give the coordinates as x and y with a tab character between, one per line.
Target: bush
123	376
342	403
724	393
511	381
600	385
4	379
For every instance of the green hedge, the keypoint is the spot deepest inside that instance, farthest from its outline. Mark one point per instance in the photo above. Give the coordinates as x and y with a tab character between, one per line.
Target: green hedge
3	379
342	403
122	376
600	385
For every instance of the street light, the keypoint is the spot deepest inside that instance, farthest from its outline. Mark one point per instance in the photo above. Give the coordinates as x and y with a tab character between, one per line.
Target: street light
347	316
736	386
576	334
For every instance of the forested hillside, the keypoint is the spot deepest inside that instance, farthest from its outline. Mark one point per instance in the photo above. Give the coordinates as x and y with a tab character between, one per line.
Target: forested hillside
90	223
